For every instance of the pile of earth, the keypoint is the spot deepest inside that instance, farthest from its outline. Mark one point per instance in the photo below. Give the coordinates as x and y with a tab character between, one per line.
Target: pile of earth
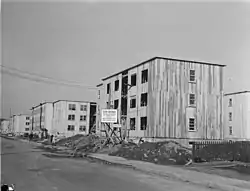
82	143
165	153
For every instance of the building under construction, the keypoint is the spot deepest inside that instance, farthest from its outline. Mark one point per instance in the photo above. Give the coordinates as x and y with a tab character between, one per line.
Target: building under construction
164	98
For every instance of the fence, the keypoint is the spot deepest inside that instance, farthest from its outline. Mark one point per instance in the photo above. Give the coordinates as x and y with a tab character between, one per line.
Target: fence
221	151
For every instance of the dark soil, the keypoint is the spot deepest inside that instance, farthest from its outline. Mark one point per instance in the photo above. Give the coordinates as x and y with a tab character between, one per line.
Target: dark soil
165	153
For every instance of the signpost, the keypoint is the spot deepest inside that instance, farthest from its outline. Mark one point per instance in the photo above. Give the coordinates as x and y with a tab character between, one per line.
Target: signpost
109	116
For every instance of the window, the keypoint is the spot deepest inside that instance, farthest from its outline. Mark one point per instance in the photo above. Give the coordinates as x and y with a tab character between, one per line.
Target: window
144	76
27	118
116	85
108	88
230	130
83	108
116	103
144	99
82	117
192	99
27	129
72	107
143	123
99	94
27	123
132	123
71	127
191	124
230	102
192	75
82	128
71	117
133	80
230	116
132	103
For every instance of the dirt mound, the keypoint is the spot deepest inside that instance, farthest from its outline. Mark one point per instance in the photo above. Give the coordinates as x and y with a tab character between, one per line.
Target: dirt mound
169	152
82	143
69	141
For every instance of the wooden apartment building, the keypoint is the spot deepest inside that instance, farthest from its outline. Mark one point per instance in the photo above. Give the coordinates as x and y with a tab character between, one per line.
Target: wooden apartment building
164	98
237	116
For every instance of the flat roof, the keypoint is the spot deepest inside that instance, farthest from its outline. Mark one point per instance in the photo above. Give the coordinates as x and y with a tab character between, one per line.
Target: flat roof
234	93
91	102
157	57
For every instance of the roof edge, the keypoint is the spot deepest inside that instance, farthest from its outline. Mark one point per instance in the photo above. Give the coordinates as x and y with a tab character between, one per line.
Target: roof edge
164	58
235	93
74	101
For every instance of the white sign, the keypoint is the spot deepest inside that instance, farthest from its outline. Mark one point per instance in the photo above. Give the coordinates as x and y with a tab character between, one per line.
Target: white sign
109	115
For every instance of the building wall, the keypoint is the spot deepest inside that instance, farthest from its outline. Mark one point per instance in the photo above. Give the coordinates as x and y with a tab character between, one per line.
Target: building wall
61	122
24	123
239	122
42	117
135	92
101	104
168	109
19	124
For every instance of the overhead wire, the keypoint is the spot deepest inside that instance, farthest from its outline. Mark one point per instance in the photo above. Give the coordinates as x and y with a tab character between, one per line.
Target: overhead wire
43	79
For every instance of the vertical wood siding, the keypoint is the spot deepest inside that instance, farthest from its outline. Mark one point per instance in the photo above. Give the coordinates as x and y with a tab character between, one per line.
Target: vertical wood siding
168	93
240	116
168	89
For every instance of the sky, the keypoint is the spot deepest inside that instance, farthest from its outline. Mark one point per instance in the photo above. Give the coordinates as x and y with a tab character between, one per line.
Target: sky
87	41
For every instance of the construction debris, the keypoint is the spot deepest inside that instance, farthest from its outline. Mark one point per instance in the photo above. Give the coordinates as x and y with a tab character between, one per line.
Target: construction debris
167	153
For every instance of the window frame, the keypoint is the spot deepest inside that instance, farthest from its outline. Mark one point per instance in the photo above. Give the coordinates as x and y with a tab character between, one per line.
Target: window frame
71	117
116	106
145	101
192	129
190	99
71	129
230	117
81	128
132	119
116	88
192	76
131	77
141	120
230	102
131	101
230	130
108	88
73	108
144	76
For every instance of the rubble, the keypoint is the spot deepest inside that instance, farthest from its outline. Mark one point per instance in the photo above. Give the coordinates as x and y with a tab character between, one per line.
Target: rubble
168	153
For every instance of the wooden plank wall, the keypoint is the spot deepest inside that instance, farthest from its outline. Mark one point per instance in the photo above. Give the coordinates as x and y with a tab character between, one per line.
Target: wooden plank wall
240	116
168	90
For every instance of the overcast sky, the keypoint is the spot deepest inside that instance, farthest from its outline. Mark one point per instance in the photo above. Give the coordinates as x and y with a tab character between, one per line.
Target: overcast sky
85	42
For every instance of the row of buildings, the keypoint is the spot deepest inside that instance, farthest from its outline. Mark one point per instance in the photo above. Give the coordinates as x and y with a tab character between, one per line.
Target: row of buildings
158	99
63	117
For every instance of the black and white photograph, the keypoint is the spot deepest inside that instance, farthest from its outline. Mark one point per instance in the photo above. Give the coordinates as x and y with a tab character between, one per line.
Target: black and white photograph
104	95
